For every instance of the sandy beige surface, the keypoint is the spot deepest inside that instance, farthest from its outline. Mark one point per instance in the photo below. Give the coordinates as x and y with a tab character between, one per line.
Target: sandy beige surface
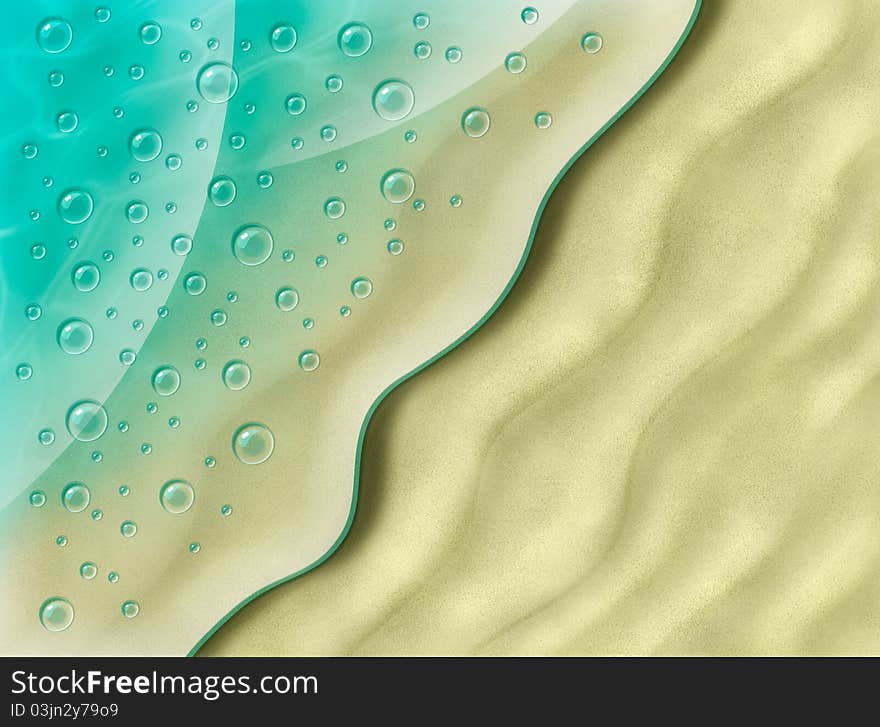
666	440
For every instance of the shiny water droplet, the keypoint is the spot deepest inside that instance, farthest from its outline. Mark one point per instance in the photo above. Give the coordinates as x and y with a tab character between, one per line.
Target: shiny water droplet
128	529
219	317
453	54
237	141
54	35
295	104
173	162
29	151
113	576
475	122
355	39
137	211
194	548
282	38
342	238
24	371
543	120
86	421
334	208
592	43
195	283
421	21
265	180
395	247
222	191
37	498
297	143
61	541
422	50
321	261
333	83
124	490
389	224
85	277
361	287
397	186
46	437
328	133
177	496
418	205
127	357
75	497
150	33
253	443
217	82
135	72
286	299
515	62
341	166
455	200
75	336
97	514
166	380
56	614
88	570
75	206
201	144
56	79
252	245
141	279
102	15
309	360
393	99
345	311
130	609
236	375
182	244
226	510
529	15
145	144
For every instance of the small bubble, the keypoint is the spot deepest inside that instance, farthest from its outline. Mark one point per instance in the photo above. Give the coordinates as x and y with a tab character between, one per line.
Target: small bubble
86	421
136	72
395	247
127	357
245	45
515	62
134	177
181	244
54	35
195	24
48	182
150	33
226	510
232	296
141	280
137	324
201	344
341	166
200	364
249	108
75	497
29	151
177	496
309	361
543	120
67	121
137	211
296	143
422	50
56	79
113	576
321	261
288	256
345	311
128	529
342	238
152	407
475	122
453	54
334	208
221	191
219	317
361	287
529	15
75	206
355	39
201	144
88	570
38	251
46	437
328	133
185	56
252	245
56	614
592	43
265	180
111	313
61	541
282	38
102	15
194	548
97	514
418	205
130	609
389	224
236	375
171	208
455	200
217	82
295	104
286	299
109	71
118	112
124	490
213	44
253	443
210	462
97	456
244	341
393	99
333	83
24	371
421	21
123	426
37	498
308	323
237	141
173	162
75	336
397	186
166	380
410	136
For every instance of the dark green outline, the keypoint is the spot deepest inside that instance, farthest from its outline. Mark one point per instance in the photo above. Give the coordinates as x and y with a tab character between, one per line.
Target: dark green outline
462	338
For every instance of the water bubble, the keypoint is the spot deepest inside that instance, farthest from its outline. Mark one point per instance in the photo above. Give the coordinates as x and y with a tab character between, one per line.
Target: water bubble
56	79
75	336
177	496
29	151
124	490
166	380
455	200
236	375
174	422
141	280
245	45
137	211
397	186
75	497
418	205
295	104
219	317
410	136
152	407
130	609
145	144
54	35
543	120
111	313
135	72
515	62
342	238
61	541
341	166
237	141
309	360
128	529
333	83
137	324
171	208
221	191
288	256
181	244
389	224
38	251
328	133
422	50
334	208
282	38
24	371
244	341
86	277
201	344
453	54
113	576
393	99
253	443
265	180
37	498
195	283
592	43
150	33
194	548
67	121
286	299
195	24
345	311
249	108
118	112
361	288
127	357
56	614
173	162
201	144
321	261
421	21
297	143
88	570
102	151
48	182
96	513
75	206
213	43
217	82
395	247
210	462
529	15
200	364
226	510
252	245
475	122
355	39
46	437
308	323
86	421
